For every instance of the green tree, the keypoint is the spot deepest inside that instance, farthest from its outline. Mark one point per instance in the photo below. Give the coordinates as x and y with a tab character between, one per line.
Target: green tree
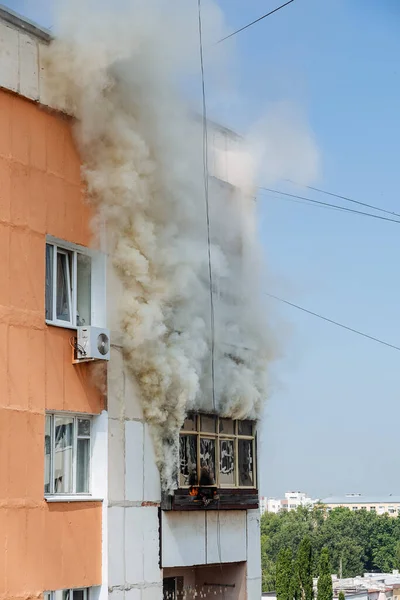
282	530
284	569
397	555
304	570
268	574
346	534
341	595
324	588
294	586
357	541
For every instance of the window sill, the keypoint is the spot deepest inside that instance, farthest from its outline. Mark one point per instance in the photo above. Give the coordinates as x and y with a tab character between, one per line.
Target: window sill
74	498
61	325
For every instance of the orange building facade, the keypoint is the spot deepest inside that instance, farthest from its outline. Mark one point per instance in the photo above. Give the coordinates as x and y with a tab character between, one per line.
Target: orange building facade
46	543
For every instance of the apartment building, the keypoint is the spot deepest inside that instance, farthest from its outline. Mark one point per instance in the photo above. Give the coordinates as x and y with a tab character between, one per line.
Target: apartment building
379	504
291	501
50	527
82	513
273	505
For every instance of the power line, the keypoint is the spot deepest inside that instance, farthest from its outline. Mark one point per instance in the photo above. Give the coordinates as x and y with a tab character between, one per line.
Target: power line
333	207
206	178
314	314
311	202
315	189
254	22
319	202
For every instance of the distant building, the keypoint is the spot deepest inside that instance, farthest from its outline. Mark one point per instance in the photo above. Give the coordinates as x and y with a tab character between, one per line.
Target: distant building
296	499
273	505
370	586
291	501
378	504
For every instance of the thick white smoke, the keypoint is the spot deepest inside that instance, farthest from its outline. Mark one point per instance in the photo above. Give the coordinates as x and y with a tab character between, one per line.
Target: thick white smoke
120	73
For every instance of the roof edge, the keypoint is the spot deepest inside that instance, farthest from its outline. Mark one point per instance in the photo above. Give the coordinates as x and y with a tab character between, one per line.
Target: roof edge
24	24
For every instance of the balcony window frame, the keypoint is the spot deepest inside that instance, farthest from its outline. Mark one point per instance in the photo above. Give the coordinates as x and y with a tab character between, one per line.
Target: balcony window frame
75	416
97	296
218	436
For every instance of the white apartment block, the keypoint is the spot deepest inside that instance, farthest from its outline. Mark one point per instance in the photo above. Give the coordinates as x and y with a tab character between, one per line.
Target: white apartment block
291	501
180	545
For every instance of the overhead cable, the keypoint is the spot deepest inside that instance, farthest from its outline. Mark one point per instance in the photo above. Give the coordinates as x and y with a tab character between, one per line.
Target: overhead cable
319	202
206	179
304	203
315	189
254	22
314	314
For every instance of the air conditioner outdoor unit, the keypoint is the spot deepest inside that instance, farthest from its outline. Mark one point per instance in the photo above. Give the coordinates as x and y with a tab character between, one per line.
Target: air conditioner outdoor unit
93	343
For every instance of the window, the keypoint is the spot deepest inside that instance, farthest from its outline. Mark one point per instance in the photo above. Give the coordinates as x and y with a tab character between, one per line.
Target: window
372	508
355	508
77	594
217	452
75	285
67	454
172	588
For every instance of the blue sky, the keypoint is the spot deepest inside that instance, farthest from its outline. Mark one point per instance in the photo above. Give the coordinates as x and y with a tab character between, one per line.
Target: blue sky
331	425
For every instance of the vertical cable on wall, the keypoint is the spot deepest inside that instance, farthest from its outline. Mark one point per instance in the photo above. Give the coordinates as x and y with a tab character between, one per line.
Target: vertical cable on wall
206	178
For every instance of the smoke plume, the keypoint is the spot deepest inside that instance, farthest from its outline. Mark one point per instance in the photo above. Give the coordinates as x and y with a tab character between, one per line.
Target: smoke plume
120	73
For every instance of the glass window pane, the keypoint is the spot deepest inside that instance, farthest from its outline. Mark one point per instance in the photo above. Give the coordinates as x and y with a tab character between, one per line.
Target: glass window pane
188	460
245	460
84	427
169	588
190	423
63	454
84	289
226	426
82	465
207	461
227	462
62	595
63	305
47	454
49	282
79	595
208	424
245	427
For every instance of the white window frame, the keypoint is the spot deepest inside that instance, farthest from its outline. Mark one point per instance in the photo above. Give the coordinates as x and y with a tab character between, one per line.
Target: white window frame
52	595
98	283
75	417
235	436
